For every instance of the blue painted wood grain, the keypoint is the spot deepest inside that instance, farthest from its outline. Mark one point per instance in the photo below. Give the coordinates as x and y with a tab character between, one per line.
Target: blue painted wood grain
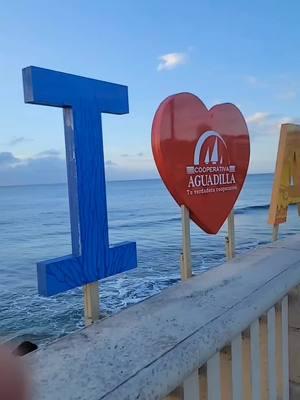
83	101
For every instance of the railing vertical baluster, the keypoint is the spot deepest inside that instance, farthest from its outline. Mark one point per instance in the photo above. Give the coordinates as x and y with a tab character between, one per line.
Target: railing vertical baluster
237	368
272	376
176	394
255	360
191	389
285	347
214	377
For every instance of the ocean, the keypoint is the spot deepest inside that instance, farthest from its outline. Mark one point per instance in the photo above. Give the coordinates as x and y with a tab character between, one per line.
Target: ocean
34	226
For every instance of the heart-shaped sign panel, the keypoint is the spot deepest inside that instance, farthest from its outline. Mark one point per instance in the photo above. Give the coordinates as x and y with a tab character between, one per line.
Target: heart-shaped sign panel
202	156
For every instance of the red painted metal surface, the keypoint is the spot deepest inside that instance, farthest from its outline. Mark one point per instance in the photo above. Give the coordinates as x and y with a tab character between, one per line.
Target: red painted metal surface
202	156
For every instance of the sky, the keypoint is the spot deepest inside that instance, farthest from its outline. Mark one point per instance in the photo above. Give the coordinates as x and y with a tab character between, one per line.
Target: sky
222	51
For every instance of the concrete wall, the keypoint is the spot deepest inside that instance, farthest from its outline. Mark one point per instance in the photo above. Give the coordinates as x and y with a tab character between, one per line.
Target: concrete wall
146	351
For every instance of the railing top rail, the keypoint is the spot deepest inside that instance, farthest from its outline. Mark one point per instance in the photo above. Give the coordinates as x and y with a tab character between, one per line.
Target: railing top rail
147	350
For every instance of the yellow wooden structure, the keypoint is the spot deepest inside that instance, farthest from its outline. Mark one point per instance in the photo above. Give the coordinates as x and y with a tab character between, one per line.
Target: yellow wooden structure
286	186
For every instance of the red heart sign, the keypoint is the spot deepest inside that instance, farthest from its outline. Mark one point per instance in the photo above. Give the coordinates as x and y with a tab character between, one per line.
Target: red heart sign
202	156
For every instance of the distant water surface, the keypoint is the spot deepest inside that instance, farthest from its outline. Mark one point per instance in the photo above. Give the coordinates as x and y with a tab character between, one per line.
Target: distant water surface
34	226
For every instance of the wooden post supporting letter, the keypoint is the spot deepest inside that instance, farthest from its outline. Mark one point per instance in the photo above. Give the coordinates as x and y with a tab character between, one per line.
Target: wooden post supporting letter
186	266
91	303
275	232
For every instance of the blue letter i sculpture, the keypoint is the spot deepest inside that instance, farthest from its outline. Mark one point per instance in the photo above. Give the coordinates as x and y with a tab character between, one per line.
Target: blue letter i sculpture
83	100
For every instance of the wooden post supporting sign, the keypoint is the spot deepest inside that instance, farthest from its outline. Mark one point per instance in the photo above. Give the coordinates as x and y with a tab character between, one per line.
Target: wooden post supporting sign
186	265
230	238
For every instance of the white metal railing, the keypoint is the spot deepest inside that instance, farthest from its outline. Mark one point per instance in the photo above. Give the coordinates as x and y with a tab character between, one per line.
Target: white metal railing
225	334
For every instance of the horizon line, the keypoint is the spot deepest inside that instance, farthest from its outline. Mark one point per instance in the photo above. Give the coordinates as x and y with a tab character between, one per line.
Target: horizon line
110	181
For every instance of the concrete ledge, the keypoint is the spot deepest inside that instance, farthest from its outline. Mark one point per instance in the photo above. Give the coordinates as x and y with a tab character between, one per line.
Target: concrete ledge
144	352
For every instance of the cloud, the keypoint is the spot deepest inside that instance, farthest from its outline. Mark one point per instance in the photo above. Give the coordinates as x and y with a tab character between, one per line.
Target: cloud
47	167
171	60
17	140
110	163
127	155
264	123
258	118
48	153
32	170
7	159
